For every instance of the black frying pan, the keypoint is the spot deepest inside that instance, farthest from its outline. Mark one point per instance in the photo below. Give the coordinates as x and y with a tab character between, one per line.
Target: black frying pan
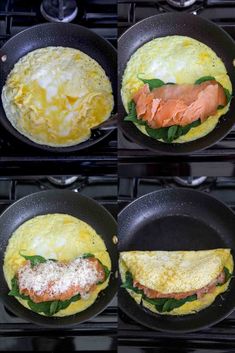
186	25
75	205
57	34
177	219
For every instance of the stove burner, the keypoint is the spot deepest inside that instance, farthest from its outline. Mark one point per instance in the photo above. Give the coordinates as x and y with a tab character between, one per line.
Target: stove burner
62	180
181	3
190	181
59	10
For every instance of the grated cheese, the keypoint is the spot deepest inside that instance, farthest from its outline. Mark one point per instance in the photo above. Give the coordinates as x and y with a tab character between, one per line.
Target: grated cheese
56	278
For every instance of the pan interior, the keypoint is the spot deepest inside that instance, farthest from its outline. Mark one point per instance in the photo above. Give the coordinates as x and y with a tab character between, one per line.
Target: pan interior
65	35
175	232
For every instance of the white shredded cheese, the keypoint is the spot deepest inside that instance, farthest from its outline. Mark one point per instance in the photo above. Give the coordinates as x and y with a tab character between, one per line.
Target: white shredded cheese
55	278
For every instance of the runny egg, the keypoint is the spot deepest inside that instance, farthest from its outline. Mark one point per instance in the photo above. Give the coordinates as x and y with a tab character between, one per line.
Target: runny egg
180	60
55	95
60	237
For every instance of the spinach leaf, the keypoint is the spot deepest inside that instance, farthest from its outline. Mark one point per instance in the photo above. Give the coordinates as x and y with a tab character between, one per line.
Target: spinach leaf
128	281
204	79
168	304
152	83
169	134
132	116
34	260
228	95
228	275
106	272
156	301
49	308
172	303
15	289
87	255
161	133
128	284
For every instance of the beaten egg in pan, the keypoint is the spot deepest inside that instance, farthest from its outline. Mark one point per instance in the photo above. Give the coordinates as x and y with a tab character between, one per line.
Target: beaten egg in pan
175	89
55	95
56	265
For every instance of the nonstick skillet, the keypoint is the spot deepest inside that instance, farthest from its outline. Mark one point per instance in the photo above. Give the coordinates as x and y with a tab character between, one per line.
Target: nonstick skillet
185	25
76	205
65	35
177	219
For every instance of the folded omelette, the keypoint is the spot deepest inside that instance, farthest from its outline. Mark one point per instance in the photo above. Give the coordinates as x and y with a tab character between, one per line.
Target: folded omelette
176	282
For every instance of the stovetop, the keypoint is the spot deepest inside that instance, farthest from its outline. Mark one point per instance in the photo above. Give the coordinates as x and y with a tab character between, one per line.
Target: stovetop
135	338
97	334
134	160
18	158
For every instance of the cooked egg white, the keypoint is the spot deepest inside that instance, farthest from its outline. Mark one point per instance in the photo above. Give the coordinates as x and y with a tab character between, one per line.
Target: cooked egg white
55	95
55	236
177	59
188	307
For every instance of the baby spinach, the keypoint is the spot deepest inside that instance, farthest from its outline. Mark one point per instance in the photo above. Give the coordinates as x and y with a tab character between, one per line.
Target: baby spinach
228	95
48	308
132	116
34	260
152	83
172	303
227	274
87	255
204	79
169	134
128	284
161	304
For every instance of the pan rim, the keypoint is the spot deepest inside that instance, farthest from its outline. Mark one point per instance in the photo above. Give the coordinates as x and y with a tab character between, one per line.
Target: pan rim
179	331
43	147
169	14
183	189
56	320
124	295
158	146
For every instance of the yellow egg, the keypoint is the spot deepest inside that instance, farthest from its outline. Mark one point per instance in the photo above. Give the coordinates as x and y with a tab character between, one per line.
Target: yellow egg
180	60
55	95
56	236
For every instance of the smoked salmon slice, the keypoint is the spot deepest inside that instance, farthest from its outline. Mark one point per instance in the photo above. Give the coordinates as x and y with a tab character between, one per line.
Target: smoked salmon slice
170	104
51	280
152	294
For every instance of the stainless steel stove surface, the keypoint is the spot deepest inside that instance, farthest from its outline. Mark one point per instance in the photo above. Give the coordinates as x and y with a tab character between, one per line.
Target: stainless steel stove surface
134	338
97	334
134	160
16	157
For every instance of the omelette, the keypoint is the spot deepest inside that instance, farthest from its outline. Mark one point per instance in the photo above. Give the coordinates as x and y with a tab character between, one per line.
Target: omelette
176	282
55	95
175	89
56	265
